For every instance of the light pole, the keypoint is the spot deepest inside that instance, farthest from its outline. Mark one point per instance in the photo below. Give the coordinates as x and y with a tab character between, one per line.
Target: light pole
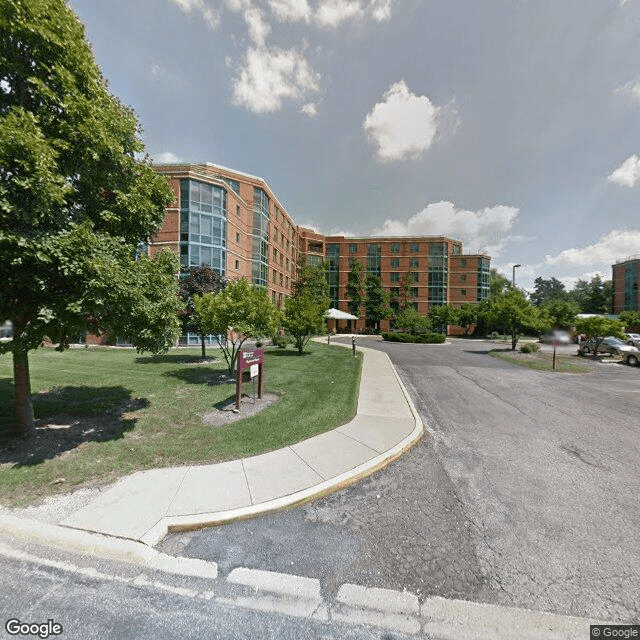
513	279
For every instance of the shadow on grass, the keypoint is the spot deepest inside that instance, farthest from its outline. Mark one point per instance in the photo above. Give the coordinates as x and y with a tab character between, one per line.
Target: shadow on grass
202	375
286	353
484	352
67	417
175	358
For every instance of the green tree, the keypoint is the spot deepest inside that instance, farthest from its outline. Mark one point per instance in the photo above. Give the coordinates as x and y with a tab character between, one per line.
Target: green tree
304	310
512	312
239	312
442	316
75	202
376	303
547	290
467	316
197	281
498	284
593	296
411	320
355	290
630	318
598	328
561	312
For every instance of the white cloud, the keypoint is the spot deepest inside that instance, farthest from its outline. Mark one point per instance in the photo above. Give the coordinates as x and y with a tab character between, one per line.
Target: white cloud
310	109
615	245
291	10
188	6
270	76
631	88
380	9
628	173
168	157
403	124
258	27
331	13
486	229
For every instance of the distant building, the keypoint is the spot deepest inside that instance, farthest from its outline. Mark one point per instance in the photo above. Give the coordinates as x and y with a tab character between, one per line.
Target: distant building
626	281
233	222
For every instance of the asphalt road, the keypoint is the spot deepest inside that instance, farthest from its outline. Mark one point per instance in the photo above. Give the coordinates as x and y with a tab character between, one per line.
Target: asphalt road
524	492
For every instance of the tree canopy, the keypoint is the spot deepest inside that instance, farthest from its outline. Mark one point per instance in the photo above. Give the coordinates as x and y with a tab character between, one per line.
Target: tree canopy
593	296
239	312
598	328
547	290
512	312
376	303
75	199
196	281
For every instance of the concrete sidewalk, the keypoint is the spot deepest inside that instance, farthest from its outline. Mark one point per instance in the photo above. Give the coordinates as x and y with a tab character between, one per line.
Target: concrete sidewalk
147	505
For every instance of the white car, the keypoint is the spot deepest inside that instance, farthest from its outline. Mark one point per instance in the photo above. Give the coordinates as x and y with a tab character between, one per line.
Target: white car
633	339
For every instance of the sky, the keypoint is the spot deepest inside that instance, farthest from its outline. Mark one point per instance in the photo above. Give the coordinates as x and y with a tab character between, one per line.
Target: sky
512	125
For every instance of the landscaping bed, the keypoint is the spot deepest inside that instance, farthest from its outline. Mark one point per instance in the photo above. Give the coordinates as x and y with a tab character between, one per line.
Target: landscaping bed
106	412
543	361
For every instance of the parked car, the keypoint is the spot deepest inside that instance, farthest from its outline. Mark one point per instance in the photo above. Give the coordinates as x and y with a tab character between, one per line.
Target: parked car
557	336
633	339
610	344
632	358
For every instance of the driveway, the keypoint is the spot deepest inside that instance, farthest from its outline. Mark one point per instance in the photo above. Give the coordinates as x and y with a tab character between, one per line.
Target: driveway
524	492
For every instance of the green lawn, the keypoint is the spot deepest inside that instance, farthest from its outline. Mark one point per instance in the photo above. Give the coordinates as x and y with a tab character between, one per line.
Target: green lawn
117	412
542	361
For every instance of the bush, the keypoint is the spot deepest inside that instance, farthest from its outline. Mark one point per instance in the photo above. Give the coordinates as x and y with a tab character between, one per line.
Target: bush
530	347
422	338
494	335
280	341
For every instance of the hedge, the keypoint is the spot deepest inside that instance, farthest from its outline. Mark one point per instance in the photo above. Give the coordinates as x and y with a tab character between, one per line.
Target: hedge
430	338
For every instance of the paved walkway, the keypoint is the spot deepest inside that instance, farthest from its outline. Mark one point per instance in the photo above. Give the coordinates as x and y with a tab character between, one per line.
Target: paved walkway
147	505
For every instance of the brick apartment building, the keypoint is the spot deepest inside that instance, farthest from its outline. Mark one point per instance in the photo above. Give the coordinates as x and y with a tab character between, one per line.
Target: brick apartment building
234	222
626	285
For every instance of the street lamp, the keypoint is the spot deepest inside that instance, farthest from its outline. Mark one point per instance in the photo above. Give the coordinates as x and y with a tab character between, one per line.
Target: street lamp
513	279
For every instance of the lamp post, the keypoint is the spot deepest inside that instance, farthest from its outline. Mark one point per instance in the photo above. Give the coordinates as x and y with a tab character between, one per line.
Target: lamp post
513	278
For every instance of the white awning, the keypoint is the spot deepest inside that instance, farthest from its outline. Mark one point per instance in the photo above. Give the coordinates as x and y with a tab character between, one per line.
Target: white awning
336	314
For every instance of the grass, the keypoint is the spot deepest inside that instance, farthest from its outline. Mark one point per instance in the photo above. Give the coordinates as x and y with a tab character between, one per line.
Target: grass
542	361
112	412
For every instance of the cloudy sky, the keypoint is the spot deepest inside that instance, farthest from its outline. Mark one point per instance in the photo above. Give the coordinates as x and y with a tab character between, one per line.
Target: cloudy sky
513	125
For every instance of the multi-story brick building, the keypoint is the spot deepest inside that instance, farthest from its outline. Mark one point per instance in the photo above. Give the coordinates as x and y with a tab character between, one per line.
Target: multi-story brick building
626	285
234	222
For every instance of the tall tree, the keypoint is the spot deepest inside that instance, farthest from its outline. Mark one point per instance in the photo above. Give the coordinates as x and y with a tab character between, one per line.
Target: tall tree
546	290
561	312
196	281
376	302
498	284
512	312
593	296
355	289
598	328
442	316
239	312
75	202
467	316
304	310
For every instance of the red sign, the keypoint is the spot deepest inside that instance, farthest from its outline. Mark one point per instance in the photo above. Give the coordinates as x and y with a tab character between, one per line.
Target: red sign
247	358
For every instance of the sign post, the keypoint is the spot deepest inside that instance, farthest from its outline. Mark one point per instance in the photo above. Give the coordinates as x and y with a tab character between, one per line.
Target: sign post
254	361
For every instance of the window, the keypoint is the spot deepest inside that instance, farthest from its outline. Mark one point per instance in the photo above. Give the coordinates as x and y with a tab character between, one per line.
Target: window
413	292
275	254
237	265
394	277
463	262
277	211
463	277
463	292
280	259
287	282
238	209
237	238
273	297
395	263
281	280
414	247
274	276
353	248
395	247
414	262
287	261
234	184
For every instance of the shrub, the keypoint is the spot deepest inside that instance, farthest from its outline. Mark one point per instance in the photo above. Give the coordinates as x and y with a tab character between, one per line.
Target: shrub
422	338
529	347
494	335
280	341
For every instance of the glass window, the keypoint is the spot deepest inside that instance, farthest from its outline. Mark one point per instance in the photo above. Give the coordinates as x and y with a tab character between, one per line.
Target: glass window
353	248
414	247
395	263
414	262
394	277
463	292
394	247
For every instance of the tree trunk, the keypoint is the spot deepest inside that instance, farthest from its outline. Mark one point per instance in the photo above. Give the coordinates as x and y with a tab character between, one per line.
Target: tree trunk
22	399
204	354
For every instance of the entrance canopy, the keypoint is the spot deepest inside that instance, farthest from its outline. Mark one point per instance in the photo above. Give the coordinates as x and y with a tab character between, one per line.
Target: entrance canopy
336	314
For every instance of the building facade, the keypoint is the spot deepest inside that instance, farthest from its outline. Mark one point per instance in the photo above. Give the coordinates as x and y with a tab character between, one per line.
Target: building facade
233	222
626	281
